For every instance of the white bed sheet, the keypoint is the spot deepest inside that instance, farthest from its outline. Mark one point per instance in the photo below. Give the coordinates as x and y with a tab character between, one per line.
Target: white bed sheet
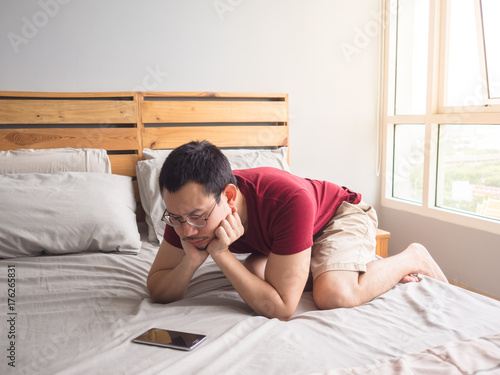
77	314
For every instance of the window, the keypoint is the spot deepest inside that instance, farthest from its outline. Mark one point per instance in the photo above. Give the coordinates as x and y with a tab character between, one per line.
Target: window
408	165
490	9
411	56
441	110
463	86
473	53
469	169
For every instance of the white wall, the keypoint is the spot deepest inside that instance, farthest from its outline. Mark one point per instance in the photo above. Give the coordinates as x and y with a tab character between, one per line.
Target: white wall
293	46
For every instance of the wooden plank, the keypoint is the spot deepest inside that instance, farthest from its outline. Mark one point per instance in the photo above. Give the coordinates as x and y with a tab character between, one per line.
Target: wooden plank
37	94
212	111
382	242
106	138
138	99
124	164
67	111
383	233
221	136
208	94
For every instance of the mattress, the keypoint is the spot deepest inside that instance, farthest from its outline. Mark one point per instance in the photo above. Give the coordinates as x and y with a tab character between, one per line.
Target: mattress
78	314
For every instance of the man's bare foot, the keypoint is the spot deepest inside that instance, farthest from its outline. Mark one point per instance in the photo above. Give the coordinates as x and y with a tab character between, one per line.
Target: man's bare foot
411	278
427	265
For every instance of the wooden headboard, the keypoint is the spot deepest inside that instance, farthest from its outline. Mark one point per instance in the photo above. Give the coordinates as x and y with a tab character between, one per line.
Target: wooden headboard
123	123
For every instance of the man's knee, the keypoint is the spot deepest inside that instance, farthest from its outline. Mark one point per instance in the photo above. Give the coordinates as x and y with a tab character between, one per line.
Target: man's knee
335	300
328	295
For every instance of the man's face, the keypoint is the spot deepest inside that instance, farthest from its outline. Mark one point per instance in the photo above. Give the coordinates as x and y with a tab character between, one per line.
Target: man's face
191	199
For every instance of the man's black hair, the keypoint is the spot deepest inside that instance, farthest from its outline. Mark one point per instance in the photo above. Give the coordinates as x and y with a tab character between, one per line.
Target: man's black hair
200	162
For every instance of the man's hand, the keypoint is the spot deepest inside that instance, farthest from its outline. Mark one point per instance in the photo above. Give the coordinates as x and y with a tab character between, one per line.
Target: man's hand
196	256
172	271
229	230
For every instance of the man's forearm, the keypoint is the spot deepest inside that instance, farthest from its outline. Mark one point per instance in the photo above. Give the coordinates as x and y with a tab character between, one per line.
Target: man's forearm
261	296
171	284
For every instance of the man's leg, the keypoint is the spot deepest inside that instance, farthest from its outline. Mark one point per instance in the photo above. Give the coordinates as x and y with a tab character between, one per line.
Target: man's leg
333	289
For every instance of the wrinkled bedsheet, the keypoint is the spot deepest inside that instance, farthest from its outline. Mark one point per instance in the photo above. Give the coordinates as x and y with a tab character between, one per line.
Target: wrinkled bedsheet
78	314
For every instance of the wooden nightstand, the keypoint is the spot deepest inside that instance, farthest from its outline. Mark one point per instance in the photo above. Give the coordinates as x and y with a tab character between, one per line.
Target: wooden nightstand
382	242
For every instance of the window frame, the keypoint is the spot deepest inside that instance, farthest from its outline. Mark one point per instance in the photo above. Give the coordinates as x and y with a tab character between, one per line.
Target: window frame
495	102
436	113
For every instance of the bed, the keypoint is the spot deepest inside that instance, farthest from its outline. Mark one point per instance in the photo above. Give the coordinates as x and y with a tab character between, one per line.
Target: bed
80	229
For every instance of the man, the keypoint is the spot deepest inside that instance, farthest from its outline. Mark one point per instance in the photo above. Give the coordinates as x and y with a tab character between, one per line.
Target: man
291	227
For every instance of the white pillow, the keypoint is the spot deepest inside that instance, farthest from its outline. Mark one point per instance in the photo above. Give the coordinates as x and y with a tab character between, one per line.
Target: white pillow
149	154
148	173
66	213
55	160
240	158
243	159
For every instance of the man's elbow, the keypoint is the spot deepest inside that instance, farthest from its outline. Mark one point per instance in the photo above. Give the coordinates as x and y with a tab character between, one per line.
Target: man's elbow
284	317
155	296
159	295
161	299
284	314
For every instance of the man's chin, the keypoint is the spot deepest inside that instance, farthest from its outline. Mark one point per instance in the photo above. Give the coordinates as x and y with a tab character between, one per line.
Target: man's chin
198	243
203	248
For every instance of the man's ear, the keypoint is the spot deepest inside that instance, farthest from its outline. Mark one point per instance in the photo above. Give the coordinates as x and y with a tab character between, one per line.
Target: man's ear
230	192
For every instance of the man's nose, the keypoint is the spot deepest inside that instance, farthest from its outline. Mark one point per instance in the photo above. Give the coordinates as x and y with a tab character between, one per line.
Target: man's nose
188	230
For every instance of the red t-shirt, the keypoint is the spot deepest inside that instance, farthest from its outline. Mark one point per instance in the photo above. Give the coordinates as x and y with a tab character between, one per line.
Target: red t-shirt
284	211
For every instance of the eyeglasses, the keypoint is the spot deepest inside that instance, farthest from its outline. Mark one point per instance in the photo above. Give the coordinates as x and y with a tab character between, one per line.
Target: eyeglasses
197	221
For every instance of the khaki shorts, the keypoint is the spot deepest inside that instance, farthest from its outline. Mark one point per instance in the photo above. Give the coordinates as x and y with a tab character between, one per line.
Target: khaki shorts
348	242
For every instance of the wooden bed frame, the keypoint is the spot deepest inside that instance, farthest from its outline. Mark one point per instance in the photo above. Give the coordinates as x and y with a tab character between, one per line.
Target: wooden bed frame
124	123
